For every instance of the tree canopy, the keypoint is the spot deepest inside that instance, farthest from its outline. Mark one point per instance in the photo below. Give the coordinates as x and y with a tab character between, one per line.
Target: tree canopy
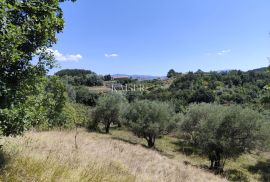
222	132
148	119
27	29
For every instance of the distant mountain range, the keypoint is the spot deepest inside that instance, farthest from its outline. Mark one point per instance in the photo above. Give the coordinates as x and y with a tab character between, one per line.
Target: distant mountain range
141	77
263	69
150	77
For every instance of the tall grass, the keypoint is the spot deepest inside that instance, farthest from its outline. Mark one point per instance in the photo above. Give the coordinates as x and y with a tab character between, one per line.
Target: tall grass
52	156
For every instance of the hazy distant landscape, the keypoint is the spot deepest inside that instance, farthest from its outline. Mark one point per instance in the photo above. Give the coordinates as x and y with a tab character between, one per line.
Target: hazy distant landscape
134	91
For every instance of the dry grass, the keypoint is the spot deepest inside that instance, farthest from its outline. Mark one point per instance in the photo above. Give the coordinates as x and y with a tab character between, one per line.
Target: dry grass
51	156
248	167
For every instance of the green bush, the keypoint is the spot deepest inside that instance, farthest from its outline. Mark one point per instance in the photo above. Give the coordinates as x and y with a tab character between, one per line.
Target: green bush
86	97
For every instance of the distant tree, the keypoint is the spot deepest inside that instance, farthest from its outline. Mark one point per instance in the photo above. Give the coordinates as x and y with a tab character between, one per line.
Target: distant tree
222	132
148	119
73	72
202	95
107	77
171	73
86	97
131	96
108	111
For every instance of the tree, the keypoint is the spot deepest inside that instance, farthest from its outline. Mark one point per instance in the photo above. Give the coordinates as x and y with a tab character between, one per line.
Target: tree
202	95
73	72
107	78
108	111
148	119
86	97
221	132
171	73
27	29
79	77
55	101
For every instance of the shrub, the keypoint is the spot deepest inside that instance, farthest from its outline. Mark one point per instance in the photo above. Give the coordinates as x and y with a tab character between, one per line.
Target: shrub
148	119
86	97
75	115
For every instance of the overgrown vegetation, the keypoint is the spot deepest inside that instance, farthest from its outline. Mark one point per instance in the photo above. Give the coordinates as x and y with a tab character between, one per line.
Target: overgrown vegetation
221	116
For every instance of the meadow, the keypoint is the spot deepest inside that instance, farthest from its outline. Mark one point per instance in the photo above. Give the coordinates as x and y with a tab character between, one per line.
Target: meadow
120	156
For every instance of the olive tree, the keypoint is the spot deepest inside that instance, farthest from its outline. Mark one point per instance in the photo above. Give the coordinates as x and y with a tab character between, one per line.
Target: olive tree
108	111
222	132
148	119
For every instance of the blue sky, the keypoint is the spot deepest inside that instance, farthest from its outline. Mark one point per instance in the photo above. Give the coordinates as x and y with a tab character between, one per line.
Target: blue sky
152	36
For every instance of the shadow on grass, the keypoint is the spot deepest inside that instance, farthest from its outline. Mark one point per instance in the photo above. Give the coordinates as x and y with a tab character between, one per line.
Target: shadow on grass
263	168
161	152
134	142
101	129
125	140
184	148
235	175
3	160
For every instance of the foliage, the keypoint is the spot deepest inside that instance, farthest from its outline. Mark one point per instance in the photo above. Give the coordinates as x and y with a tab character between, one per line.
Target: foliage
55	100
73	72
107	77
79	77
222	132
108	111
131	96
75	115
171	73
230	87
45	108
27	29
86	97
148	119
202	95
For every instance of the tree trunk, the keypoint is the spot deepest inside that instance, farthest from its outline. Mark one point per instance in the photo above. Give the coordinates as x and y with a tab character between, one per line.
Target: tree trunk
151	142
76	134
3	102
107	128
119	125
217	161
212	164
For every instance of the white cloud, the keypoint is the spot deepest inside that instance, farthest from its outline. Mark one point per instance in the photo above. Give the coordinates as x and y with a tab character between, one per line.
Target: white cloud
224	52
65	57
111	55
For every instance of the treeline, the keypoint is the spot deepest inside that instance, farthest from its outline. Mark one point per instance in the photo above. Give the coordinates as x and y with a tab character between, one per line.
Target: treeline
77	83
230	87
79	77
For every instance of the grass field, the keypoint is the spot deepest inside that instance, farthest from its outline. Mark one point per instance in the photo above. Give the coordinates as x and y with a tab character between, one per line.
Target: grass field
248	167
52	156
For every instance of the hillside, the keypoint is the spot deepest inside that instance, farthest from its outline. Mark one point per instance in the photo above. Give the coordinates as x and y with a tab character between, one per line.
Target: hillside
51	156
263	69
